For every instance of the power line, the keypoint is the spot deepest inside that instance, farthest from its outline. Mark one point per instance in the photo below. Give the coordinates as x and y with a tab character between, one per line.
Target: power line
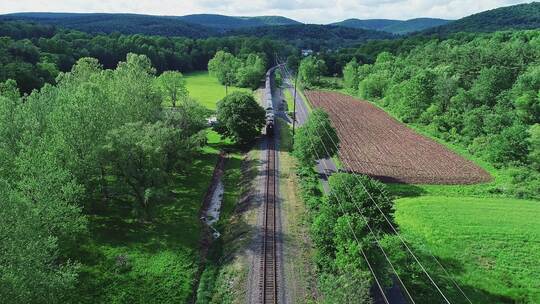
393	228
379	286
369	227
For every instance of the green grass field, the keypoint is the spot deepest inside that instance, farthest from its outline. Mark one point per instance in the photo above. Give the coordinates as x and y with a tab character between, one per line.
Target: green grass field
206	89
493	243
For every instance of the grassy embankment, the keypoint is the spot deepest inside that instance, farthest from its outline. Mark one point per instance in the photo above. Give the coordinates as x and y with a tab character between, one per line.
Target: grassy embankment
298	250
127	261
491	239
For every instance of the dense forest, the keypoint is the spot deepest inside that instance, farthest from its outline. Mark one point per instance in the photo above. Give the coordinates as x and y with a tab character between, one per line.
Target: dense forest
481	92
123	23
393	26
522	16
315	37
34	54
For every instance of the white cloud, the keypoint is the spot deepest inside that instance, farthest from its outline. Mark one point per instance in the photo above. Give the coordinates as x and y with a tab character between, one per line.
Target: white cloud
310	11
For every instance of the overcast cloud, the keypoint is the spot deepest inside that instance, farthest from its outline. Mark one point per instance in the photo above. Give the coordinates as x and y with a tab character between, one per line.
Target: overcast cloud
309	11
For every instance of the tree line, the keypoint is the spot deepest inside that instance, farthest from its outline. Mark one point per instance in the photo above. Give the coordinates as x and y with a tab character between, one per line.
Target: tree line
245	71
480	92
35	54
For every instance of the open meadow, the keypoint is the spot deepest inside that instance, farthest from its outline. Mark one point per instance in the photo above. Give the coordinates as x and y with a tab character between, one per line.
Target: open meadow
492	243
206	89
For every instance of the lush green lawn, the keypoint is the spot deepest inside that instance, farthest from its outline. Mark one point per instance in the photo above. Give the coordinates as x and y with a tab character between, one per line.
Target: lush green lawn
289	100
206	89
492	243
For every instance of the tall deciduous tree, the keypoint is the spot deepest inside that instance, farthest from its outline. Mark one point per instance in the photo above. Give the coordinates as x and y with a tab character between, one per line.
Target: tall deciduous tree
311	69
240	117
173	86
317	138
350	76
137	155
224	67
251	72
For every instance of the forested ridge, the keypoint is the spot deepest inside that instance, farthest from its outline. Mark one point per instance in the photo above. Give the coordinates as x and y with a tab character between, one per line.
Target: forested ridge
516	17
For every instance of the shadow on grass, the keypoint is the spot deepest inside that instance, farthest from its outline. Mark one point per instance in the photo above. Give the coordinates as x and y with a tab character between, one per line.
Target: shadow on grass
404	190
419	285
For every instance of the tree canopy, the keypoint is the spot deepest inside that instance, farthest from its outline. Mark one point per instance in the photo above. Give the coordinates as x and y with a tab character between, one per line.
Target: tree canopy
240	117
316	139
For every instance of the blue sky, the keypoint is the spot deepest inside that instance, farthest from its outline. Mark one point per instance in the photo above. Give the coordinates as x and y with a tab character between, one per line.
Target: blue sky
310	11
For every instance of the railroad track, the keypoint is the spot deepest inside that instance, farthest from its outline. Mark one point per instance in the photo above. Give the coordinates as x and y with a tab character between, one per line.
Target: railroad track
268	282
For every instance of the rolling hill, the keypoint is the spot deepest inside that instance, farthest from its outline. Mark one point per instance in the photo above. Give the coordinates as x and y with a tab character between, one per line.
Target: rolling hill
123	23
223	23
522	16
314	36
393	26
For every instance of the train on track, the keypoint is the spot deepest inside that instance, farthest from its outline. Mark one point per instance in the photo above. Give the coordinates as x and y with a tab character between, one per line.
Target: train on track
268	102
269	105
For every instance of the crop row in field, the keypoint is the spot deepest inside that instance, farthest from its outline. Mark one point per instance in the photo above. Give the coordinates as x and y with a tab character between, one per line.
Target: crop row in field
375	144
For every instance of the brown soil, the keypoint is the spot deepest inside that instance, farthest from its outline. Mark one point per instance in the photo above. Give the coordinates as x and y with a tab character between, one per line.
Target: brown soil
375	144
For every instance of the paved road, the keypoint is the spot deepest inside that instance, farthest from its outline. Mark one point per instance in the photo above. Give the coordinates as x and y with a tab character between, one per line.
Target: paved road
325	167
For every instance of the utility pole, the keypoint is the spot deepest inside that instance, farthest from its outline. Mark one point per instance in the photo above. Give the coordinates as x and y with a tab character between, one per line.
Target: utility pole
294	109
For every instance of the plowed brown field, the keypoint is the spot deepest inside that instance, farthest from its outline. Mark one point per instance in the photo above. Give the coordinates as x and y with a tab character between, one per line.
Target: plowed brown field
375	144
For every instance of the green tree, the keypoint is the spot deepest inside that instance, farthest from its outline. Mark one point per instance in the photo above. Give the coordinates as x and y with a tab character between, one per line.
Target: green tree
360	193
173	86
30	268
138	158
311	69
350	76
317	138
251	72
240	117
510	146
224	67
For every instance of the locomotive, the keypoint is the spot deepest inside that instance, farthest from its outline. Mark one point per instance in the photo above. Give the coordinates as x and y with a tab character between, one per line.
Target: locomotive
269	105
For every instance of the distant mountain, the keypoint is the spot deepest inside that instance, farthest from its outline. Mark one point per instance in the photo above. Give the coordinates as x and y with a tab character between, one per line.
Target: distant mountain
314	36
369	24
393	26
522	16
223	23
415	25
123	23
